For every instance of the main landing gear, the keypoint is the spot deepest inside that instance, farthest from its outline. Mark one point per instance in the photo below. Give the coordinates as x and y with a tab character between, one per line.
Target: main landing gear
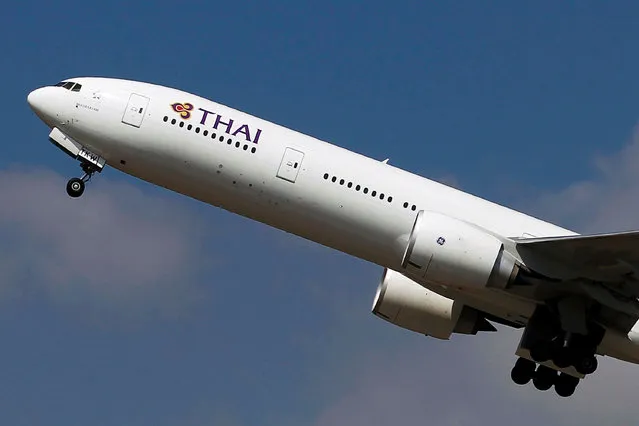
543	377
75	186
559	334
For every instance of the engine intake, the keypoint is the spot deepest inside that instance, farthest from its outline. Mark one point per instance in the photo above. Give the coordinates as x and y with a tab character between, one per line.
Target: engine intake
405	303
447	251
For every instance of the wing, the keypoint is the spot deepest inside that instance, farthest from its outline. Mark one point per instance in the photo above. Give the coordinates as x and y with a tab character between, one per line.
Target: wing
613	256
605	266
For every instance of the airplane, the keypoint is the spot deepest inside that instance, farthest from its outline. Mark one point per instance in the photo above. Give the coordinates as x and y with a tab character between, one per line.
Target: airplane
453	263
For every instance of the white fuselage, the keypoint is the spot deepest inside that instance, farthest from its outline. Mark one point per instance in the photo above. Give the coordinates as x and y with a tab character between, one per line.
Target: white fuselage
230	159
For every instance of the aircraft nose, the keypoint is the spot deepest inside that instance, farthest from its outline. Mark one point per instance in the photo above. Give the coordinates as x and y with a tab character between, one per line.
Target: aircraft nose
34	99
42	102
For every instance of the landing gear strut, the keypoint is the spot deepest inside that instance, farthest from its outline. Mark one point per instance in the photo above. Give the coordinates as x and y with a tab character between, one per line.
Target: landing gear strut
75	186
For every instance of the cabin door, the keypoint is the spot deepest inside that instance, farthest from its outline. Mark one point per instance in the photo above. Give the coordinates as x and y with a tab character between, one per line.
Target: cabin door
135	110
290	165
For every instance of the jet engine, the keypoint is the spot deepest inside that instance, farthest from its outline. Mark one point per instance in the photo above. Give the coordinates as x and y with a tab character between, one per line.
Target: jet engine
447	251
405	303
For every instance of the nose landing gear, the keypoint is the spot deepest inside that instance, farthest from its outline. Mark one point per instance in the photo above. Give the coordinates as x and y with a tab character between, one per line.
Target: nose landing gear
75	186
90	162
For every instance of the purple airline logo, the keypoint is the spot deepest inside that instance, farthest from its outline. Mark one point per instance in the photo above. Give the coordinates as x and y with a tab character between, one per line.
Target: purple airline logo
228	125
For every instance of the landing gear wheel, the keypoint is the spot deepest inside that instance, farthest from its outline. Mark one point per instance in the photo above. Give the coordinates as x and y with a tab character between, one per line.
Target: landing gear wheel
565	385
587	364
523	371
544	378
75	187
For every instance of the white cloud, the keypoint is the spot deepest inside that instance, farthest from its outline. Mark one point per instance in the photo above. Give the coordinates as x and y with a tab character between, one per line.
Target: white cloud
466	381
607	202
115	249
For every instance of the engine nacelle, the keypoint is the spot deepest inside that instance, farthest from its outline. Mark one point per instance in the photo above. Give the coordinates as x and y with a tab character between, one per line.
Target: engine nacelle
447	251
405	303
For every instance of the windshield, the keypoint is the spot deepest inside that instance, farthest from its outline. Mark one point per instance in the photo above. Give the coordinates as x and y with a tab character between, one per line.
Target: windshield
70	85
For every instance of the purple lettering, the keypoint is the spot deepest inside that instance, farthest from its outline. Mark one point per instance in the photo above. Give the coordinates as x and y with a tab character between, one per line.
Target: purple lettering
206	114
257	135
243	129
218	121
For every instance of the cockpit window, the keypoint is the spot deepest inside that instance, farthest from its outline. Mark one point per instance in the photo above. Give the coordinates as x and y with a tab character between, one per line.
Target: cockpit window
69	85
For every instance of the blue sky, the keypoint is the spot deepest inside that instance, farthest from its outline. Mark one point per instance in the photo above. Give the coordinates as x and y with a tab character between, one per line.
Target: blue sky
185	314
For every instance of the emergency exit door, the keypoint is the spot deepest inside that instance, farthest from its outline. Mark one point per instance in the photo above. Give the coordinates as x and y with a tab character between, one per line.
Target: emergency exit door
290	165
135	110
